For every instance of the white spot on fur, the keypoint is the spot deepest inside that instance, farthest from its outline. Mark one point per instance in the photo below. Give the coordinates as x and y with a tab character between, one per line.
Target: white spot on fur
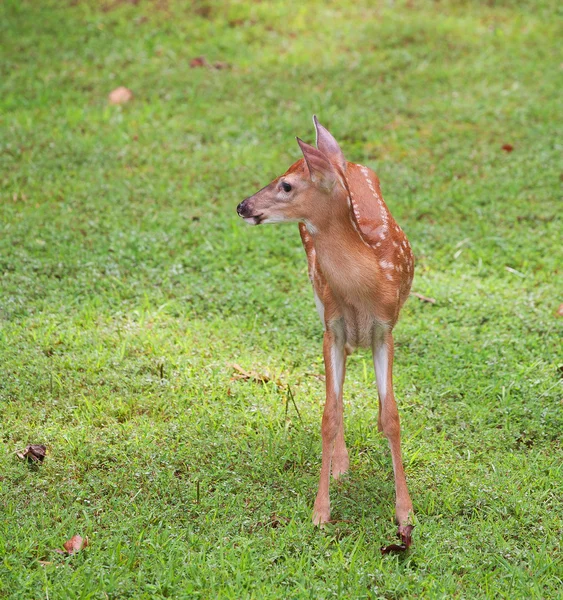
311	266
320	308
311	228
389	276
276	219
367	176
355	221
380	362
337	355
355	218
337	369
385	264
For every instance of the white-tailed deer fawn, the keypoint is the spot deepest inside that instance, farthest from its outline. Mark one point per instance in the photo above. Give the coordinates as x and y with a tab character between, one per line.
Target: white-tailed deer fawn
361	267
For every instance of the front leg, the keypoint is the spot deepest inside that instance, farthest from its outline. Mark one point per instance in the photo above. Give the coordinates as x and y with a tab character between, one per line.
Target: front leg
334	357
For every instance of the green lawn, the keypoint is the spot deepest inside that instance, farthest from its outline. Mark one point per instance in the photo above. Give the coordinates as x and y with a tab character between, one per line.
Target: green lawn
129	287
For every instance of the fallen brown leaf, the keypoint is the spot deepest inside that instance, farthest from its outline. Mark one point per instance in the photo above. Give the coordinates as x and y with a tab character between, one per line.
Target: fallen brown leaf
508	147
75	544
425	216
120	95
274	522
199	61
560	310
336	521
277	520
252	376
316	376
424	298
33	452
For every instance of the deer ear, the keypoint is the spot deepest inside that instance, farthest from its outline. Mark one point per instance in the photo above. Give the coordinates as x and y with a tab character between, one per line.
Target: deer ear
329	146
320	169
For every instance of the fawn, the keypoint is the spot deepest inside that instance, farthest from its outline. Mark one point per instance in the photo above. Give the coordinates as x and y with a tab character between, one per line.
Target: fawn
361	267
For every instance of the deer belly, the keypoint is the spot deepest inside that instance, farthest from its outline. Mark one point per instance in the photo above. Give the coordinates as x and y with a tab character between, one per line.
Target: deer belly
358	326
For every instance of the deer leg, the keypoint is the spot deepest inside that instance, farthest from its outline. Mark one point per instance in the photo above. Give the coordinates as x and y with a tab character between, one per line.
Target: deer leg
340	460
334	358
383	349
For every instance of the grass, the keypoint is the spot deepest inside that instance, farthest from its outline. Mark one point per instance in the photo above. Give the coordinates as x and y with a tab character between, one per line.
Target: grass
129	286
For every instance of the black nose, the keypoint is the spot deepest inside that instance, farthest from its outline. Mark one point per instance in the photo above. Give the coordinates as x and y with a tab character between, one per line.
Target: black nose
240	208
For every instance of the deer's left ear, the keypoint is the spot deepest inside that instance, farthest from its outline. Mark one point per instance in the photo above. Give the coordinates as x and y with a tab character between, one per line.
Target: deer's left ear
329	146
320	168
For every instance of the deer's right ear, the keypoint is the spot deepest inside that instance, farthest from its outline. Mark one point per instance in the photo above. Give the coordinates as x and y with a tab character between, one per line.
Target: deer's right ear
320	169
328	145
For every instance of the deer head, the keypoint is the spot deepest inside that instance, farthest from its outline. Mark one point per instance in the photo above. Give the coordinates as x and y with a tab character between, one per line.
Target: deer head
309	189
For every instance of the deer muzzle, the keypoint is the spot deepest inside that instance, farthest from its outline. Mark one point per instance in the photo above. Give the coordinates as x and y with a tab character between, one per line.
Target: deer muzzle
246	211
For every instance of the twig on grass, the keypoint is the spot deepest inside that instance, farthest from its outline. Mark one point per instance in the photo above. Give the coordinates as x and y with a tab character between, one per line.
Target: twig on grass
289	394
424	298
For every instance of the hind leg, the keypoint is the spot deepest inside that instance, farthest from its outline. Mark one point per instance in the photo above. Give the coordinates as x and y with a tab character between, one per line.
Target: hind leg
389	425
340	460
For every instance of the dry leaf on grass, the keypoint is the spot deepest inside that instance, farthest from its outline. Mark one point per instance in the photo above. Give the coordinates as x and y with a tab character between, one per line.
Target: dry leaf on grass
200	61
318	376
120	95
274	522
424	298
74	545
277	521
508	147
33	452
243	374
560	310
253	376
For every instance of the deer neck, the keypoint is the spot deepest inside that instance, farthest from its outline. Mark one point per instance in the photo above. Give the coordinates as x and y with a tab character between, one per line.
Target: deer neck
347	263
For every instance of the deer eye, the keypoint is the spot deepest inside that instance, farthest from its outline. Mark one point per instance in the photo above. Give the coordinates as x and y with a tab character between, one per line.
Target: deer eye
286	187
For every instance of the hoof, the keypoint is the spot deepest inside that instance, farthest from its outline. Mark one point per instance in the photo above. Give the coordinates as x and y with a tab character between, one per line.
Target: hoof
405	535
321	516
340	466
